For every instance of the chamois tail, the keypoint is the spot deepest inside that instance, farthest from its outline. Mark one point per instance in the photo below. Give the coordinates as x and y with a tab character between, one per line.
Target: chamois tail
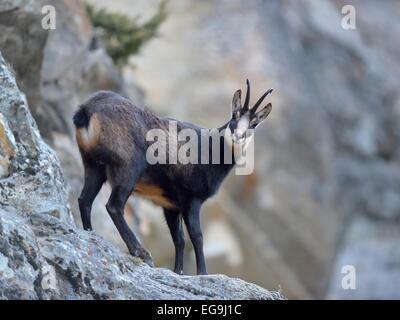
87	128
81	118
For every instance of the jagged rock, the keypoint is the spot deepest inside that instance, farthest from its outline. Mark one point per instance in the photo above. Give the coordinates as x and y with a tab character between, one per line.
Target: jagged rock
22	42
43	255
72	67
43	258
58	68
31	179
7	147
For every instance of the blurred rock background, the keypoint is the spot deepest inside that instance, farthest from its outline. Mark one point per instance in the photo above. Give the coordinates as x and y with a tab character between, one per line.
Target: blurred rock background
325	190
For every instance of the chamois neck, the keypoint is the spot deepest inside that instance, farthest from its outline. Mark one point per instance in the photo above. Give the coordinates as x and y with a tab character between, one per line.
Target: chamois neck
225	146
223	127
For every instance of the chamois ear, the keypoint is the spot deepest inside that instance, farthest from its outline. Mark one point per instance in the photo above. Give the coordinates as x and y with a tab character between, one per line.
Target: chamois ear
261	115
236	102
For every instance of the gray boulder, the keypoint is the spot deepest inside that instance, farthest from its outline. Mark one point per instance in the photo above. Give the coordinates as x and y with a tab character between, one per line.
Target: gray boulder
42	257
31	177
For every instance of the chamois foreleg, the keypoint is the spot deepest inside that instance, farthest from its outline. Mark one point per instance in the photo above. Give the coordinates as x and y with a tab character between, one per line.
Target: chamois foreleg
174	222
191	216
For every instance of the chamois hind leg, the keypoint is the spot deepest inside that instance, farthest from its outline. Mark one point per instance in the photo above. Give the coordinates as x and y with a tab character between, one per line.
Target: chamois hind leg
191	216
123	183
174	222
95	176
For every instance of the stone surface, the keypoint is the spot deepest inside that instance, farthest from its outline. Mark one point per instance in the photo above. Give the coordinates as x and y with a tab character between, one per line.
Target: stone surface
328	151
370	248
22	42
33	181
72	67
58	68
7	147
44	258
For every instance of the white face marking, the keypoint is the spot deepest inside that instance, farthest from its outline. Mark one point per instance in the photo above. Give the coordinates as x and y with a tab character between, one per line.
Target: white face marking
243	124
241	128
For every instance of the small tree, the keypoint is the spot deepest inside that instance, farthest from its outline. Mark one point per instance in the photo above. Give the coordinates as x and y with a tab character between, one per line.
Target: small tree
123	36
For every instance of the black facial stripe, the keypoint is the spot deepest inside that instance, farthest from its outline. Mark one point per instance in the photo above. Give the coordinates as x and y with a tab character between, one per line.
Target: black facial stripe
233	125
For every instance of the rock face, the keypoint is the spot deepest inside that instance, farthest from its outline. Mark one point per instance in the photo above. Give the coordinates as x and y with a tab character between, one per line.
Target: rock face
19	18
31	177
363	240
42	253
43	258
327	157
68	66
73	67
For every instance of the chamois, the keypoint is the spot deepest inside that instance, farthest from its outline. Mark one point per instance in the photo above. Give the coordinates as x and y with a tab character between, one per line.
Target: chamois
111	136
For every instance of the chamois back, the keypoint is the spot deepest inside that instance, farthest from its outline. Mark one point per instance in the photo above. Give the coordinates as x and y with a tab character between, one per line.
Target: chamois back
111	125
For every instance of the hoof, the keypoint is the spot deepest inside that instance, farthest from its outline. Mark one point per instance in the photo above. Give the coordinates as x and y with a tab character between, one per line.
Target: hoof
179	272
146	257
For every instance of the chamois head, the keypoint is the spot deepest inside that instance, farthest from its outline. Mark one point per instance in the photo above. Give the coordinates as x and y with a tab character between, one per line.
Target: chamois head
244	117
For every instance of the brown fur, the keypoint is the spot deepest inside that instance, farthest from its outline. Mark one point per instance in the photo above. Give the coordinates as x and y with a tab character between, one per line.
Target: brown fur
154	194
115	123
